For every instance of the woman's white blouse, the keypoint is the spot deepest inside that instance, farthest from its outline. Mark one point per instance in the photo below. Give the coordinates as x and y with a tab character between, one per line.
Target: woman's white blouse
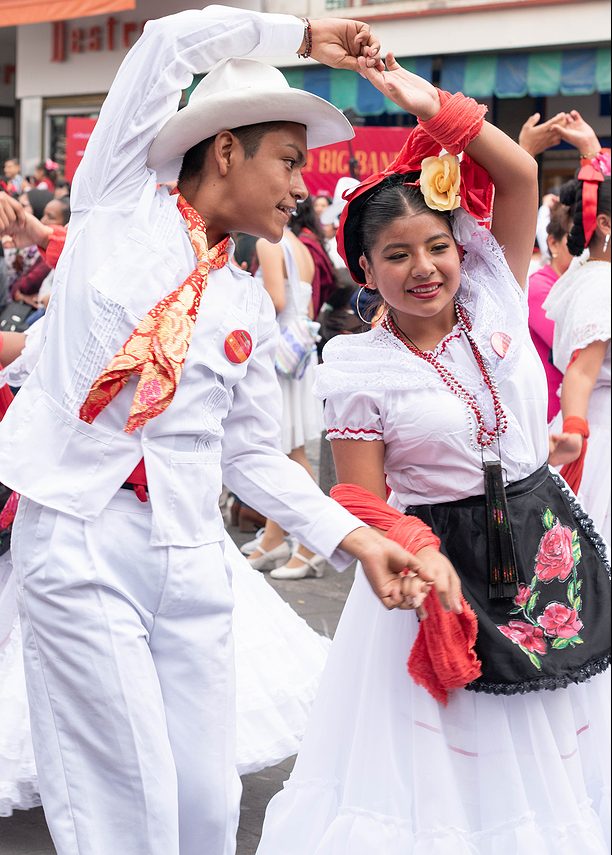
376	389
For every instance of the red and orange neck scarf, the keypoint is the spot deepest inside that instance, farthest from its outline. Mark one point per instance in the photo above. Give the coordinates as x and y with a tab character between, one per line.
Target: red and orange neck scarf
157	348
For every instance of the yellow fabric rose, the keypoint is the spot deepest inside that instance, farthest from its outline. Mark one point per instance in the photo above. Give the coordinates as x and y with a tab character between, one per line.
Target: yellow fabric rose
440	178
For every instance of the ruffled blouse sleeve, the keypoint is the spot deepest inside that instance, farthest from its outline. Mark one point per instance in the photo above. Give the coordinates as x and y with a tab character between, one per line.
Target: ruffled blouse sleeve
353	416
353	403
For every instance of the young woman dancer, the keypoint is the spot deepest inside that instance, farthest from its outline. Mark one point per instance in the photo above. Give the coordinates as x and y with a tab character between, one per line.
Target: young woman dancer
447	385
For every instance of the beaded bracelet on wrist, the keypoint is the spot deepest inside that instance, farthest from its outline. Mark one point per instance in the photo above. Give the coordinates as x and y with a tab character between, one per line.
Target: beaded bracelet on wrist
307	52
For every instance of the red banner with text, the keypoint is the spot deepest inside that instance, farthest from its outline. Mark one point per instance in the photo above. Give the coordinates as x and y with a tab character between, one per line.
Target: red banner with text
78	131
372	148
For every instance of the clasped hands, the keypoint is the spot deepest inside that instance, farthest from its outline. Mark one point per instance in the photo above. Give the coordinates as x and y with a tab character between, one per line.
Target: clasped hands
400	579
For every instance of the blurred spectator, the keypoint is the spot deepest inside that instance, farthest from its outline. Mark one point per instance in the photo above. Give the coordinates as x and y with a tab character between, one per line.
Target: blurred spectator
320	203
62	190
45	175
307	227
331	218
13	180
35	201
540	283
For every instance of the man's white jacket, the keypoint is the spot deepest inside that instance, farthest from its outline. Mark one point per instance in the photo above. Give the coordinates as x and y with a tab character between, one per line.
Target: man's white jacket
127	248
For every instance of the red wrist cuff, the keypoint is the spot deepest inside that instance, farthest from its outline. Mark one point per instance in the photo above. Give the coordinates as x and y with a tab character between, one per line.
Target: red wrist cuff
53	250
457	123
576	424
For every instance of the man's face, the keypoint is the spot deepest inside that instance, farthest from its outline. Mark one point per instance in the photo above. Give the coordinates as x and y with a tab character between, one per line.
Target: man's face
11	168
266	188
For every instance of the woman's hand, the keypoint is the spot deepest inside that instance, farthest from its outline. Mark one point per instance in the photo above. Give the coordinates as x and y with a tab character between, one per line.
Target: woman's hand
445	579
535	136
564	448
409	91
579	133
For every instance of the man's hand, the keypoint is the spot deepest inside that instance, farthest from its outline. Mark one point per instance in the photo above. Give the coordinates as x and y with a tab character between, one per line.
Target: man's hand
24	228
339	41
536	138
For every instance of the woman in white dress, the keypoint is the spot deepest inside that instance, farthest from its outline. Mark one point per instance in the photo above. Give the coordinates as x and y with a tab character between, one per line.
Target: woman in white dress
287	271
279	658
579	305
449	384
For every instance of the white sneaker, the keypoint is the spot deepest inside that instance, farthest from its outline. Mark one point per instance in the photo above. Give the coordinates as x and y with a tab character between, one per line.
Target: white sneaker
314	566
252	545
271	559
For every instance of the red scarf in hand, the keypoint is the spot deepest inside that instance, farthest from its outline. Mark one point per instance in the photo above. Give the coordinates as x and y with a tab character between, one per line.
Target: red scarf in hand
443	656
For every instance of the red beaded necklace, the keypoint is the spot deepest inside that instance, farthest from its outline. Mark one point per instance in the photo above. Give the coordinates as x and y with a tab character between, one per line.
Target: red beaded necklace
484	436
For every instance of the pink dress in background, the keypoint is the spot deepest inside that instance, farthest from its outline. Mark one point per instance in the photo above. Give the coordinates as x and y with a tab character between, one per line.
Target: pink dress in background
542	331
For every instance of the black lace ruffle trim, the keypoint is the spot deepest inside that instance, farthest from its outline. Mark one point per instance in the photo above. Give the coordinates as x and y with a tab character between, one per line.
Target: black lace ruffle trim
585	521
585	672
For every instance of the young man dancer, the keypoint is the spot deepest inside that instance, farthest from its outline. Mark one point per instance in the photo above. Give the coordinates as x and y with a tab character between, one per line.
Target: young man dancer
125	596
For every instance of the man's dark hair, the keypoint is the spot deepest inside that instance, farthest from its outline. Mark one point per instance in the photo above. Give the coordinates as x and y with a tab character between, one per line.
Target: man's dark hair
249	136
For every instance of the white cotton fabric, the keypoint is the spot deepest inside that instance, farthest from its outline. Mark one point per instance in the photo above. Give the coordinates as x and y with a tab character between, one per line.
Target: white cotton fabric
579	303
384	768
372	384
279	662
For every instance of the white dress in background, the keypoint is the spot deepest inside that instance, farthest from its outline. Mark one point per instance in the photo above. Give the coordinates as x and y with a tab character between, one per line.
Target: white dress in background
579	304
384	769
302	412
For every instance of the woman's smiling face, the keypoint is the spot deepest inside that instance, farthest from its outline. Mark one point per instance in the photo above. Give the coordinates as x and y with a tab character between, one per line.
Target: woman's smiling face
415	265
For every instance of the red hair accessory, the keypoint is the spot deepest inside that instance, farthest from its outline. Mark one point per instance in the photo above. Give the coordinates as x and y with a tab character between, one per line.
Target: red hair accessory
443	656
592	173
458	121
51	164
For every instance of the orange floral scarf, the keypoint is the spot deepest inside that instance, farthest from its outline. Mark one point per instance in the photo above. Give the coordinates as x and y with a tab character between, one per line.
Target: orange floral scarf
157	348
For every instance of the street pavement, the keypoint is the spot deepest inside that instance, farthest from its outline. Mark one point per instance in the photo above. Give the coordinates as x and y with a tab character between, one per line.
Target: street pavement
319	602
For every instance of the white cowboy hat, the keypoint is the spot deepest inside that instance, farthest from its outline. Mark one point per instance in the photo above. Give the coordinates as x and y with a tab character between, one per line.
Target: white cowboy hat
239	92
331	215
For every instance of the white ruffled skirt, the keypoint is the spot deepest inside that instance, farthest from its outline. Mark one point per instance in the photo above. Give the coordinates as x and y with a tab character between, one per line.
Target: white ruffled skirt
384	768
279	662
302	418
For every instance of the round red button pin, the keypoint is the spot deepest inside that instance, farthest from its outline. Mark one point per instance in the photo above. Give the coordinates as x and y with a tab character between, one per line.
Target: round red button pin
238	346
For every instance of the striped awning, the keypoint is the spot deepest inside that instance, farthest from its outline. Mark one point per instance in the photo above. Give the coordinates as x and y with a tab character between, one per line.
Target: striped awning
18	12
505	75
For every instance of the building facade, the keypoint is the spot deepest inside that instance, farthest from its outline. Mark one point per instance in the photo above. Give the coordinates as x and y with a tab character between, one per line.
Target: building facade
518	56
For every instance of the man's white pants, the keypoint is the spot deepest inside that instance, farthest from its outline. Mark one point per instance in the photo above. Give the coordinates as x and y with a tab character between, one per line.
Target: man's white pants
129	663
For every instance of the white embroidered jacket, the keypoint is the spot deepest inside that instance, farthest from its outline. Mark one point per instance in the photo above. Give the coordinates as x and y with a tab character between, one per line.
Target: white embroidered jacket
127	248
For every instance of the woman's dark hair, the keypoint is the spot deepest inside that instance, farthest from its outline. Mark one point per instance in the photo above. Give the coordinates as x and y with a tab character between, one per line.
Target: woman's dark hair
39	199
571	196
393	198
560	222
305	218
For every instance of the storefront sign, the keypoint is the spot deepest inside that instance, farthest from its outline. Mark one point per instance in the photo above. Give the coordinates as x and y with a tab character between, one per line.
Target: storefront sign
113	34
78	131
373	149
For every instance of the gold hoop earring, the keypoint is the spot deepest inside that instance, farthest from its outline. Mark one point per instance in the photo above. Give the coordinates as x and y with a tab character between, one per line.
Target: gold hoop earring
361	317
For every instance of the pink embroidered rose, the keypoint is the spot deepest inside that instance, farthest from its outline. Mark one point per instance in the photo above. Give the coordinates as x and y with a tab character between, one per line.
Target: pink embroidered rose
559	621
555	558
528	636
523	596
